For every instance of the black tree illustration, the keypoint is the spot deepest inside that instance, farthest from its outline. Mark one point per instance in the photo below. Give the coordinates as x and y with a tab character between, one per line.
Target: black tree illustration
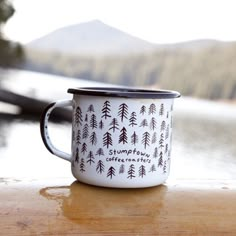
131	172
78	116
143	110
122	169
153	123
82	165
123	111
133	119
78	137
106	109
167	132
123	136
107	140
114	125
142	171
100	167
84	148
161	111
93	122
93	138
77	155
101	124
134	138
161	141
143	123
155	153
86	118
111	172
90	158
163	125
166	148
164	167
153	168
90	108
146	139
100	152
154	137
85	133
152	109
160	160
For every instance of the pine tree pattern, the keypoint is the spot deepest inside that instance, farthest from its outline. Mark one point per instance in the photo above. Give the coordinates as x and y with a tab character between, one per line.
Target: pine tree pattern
142	110
131	172
152	109
101	124
167	132
133	119
107	140
160	160
146	139
155	153
153	168
123	111
143	123
85	133
134	138
122	169
163	125
87	136
114	125
82	165
93	122
123	136
153	123
164	167
90	158
90	108
78	116
100	167
111	172
100	152
78	137
106	110
154	137
161	111
93	138
84	148
161	141
142	171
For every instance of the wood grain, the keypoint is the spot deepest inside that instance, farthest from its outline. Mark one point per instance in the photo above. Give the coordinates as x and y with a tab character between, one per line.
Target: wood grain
63	207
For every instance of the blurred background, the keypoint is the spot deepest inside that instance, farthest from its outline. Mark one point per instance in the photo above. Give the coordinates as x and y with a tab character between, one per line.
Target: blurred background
48	46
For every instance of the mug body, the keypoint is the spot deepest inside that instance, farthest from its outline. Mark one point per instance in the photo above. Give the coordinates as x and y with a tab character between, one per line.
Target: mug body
121	140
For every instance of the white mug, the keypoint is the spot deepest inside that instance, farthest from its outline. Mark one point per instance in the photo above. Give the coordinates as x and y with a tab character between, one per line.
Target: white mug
120	137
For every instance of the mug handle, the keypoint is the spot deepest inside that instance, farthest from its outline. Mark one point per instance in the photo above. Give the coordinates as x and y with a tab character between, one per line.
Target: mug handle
44	129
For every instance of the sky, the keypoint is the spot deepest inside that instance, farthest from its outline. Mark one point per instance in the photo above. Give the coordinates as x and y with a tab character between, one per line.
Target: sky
157	21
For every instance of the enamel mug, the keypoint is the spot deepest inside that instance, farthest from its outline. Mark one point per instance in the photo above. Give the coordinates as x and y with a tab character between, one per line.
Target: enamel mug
121	137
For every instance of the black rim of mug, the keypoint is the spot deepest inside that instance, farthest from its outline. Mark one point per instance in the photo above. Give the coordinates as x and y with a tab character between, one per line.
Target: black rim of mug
124	92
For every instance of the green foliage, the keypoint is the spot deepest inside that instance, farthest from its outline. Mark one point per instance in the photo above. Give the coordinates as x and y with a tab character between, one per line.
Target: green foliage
11	53
206	73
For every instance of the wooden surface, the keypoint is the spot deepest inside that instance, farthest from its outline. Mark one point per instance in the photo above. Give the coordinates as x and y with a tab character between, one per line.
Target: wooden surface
62	206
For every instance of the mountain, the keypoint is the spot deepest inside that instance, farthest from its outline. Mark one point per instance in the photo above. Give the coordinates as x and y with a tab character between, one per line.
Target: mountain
93	37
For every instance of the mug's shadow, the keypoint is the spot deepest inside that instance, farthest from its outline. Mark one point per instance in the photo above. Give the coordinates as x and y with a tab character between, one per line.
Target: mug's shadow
113	209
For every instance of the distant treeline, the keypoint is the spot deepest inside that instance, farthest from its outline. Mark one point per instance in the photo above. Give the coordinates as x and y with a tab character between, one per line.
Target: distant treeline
207	73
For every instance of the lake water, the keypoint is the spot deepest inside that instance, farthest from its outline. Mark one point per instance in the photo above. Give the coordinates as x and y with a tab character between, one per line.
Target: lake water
204	134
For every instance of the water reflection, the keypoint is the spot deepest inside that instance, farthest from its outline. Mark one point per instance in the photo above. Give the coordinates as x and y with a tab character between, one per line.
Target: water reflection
117	209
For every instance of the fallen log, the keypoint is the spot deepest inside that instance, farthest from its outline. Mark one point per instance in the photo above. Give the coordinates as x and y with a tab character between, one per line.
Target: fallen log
32	106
